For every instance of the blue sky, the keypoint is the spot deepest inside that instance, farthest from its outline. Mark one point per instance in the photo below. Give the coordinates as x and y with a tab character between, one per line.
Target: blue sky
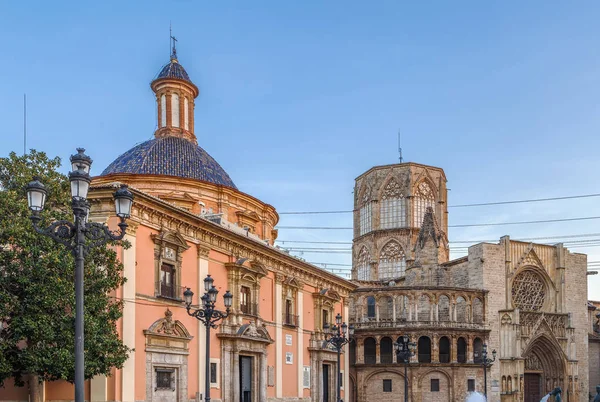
299	98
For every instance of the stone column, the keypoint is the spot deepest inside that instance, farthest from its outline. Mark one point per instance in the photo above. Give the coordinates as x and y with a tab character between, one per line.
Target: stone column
278	337
346	357
203	253
377	350
453	349
469	350
262	388
128	372
300	342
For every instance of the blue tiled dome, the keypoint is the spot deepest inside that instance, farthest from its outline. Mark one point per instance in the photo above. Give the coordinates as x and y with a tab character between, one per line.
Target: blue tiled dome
171	156
173	70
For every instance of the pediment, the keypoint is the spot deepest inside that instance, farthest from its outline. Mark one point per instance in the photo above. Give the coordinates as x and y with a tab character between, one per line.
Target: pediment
293	282
530	258
248	266
329	294
167	327
171	238
251	330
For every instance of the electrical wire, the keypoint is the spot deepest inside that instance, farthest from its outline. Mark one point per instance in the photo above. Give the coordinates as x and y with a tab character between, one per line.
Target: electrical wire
480	204
457	226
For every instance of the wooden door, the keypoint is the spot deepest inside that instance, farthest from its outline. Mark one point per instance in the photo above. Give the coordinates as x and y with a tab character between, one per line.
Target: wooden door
532	384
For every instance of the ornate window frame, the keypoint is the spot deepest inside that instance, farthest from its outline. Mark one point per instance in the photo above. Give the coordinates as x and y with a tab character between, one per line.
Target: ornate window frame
392	261
168	249
247	273
363	264
548	288
289	292
325	300
392	206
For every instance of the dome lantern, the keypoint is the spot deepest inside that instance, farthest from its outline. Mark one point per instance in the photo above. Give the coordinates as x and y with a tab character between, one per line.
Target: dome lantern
175	94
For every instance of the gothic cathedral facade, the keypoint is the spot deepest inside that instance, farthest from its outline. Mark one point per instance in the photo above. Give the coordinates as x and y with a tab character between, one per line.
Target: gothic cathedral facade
525	301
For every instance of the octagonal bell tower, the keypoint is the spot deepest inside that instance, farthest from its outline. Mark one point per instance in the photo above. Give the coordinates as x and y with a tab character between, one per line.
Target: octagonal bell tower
391	205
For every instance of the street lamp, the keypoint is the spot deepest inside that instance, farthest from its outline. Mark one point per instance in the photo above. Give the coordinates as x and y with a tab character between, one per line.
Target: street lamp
79	237
209	317
486	362
404	351
336	337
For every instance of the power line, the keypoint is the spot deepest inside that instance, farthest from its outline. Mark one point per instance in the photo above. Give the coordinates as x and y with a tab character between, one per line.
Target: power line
455	241
457	226
480	204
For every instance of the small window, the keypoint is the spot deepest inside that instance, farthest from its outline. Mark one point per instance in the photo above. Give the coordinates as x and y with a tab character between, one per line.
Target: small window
213	373
435	385
325	317
245	299
471	385
167	280
387	385
163	378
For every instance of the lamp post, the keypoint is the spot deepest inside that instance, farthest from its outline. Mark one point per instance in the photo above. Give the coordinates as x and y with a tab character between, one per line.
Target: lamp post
486	362
336	337
80	237
209	317
404	351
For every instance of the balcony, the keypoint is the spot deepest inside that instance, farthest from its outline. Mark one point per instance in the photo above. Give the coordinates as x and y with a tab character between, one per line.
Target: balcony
290	320
389	324
249	309
169	291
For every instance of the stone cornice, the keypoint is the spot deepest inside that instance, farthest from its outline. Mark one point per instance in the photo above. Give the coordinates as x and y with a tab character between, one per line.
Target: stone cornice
156	213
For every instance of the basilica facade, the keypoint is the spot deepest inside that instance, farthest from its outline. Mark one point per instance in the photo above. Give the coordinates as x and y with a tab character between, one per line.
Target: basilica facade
524	301
190	220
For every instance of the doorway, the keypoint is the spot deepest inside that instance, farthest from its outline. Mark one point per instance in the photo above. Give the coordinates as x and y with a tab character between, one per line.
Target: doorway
246	378
533	387
326	377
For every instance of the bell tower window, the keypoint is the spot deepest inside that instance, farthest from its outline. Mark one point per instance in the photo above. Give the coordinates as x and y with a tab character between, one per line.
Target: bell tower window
392	262
423	199
163	110
364	265
392	206
175	110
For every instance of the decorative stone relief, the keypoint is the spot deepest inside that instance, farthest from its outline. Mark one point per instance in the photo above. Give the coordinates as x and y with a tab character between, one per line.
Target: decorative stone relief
528	291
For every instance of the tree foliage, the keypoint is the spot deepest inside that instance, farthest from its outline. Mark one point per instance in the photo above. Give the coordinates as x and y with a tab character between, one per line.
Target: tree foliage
37	294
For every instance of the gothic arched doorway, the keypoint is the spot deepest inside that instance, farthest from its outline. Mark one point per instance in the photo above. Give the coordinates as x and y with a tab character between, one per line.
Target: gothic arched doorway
544	368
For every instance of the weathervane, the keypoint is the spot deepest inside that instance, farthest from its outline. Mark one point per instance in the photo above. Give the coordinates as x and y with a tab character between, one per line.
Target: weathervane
172	42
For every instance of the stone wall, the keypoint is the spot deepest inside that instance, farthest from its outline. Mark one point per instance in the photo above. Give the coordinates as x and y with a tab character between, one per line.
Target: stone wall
594	364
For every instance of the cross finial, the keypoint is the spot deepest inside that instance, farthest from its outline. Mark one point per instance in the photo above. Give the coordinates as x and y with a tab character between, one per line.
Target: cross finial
172	41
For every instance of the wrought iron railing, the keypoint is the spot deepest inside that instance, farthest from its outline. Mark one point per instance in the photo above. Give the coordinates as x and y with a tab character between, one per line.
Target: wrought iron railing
370	324
169	291
249	308
290	320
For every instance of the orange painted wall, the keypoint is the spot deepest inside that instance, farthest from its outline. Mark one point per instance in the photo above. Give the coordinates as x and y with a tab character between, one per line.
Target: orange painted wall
63	390
290	373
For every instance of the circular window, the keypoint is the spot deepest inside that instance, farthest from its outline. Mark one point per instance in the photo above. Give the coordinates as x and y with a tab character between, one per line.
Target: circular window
528	291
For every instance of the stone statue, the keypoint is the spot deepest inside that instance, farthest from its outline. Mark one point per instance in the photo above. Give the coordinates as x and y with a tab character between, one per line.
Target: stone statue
597	398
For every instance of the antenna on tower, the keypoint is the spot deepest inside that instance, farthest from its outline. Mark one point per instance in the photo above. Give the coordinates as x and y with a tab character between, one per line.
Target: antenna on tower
400	146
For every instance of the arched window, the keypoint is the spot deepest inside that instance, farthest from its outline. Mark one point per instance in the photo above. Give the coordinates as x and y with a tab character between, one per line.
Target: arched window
423	198
477	311
186	114
364	265
392	262
424	350
370	307
444	350
443	308
175	110
352	352
528	291
392	210
461	349
461	309
424	312
386	308
385	350
370	350
477	350
163	110
365	214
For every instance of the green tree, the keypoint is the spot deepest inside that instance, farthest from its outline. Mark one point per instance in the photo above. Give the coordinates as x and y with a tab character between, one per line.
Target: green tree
37	295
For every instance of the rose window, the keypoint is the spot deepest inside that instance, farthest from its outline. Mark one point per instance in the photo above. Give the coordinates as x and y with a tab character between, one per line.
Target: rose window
528	291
